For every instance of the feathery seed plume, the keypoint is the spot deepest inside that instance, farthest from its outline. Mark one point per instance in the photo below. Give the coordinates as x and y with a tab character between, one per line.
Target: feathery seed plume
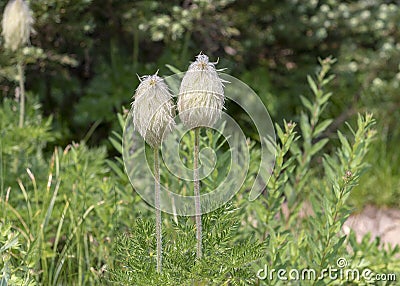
153	110
17	24
201	94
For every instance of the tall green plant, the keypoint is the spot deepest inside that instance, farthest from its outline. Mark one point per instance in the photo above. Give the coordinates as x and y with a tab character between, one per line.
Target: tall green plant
17	25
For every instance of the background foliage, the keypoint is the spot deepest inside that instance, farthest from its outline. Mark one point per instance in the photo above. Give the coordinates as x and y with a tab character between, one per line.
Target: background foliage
64	195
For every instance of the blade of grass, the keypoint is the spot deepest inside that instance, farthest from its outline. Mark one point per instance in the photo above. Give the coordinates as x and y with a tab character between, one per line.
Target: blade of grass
19	217
57	238
69	240
28	204
32	177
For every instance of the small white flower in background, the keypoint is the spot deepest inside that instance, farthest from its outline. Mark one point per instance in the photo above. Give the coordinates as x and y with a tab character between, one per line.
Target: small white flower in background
17	24
201	94
153	109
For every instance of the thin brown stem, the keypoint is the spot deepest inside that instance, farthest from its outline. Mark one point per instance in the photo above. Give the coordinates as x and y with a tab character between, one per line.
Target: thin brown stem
21	79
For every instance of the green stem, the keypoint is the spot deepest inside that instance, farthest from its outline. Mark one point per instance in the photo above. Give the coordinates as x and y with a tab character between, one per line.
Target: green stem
158	209
21	93
135	46
329	237
197	192
185	47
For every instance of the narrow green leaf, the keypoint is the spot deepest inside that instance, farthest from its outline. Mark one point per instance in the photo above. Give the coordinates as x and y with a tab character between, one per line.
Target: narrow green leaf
121	121
306	102
305	126
279	132
117	135
321	127
288	162
318	146
115	168
9	244
312	85
328	80
345	144
173	69
350	128
117	145
325	98
51	205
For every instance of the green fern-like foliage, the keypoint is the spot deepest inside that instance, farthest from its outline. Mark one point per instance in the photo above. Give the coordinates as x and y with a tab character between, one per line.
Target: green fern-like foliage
226	261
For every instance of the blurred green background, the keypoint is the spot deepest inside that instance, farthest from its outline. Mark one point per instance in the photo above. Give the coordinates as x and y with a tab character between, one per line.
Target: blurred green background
85	56
64	195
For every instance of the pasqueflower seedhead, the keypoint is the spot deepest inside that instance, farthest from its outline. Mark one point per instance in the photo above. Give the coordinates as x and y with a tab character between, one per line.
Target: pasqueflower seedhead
201	94
153	110
17	24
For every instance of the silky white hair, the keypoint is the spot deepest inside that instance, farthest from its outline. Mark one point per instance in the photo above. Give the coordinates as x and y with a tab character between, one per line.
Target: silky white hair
17	24
201	94
153	109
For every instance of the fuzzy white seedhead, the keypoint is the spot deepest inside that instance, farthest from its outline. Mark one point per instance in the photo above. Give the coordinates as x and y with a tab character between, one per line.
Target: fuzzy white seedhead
201	94
153	110
17	24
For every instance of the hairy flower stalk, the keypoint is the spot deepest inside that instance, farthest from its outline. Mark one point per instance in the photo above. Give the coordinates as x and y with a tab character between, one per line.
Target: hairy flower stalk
16	29
153	115
196	187
201	99
21	79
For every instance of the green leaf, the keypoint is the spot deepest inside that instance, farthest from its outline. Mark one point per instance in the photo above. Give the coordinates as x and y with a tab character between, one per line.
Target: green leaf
325	98
116	168
345	144
3	281
318	146
117	135
279	132
329	167
312	85
9	244
116	144
328	80
321	127
121	121
173	69
306	102
305	126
